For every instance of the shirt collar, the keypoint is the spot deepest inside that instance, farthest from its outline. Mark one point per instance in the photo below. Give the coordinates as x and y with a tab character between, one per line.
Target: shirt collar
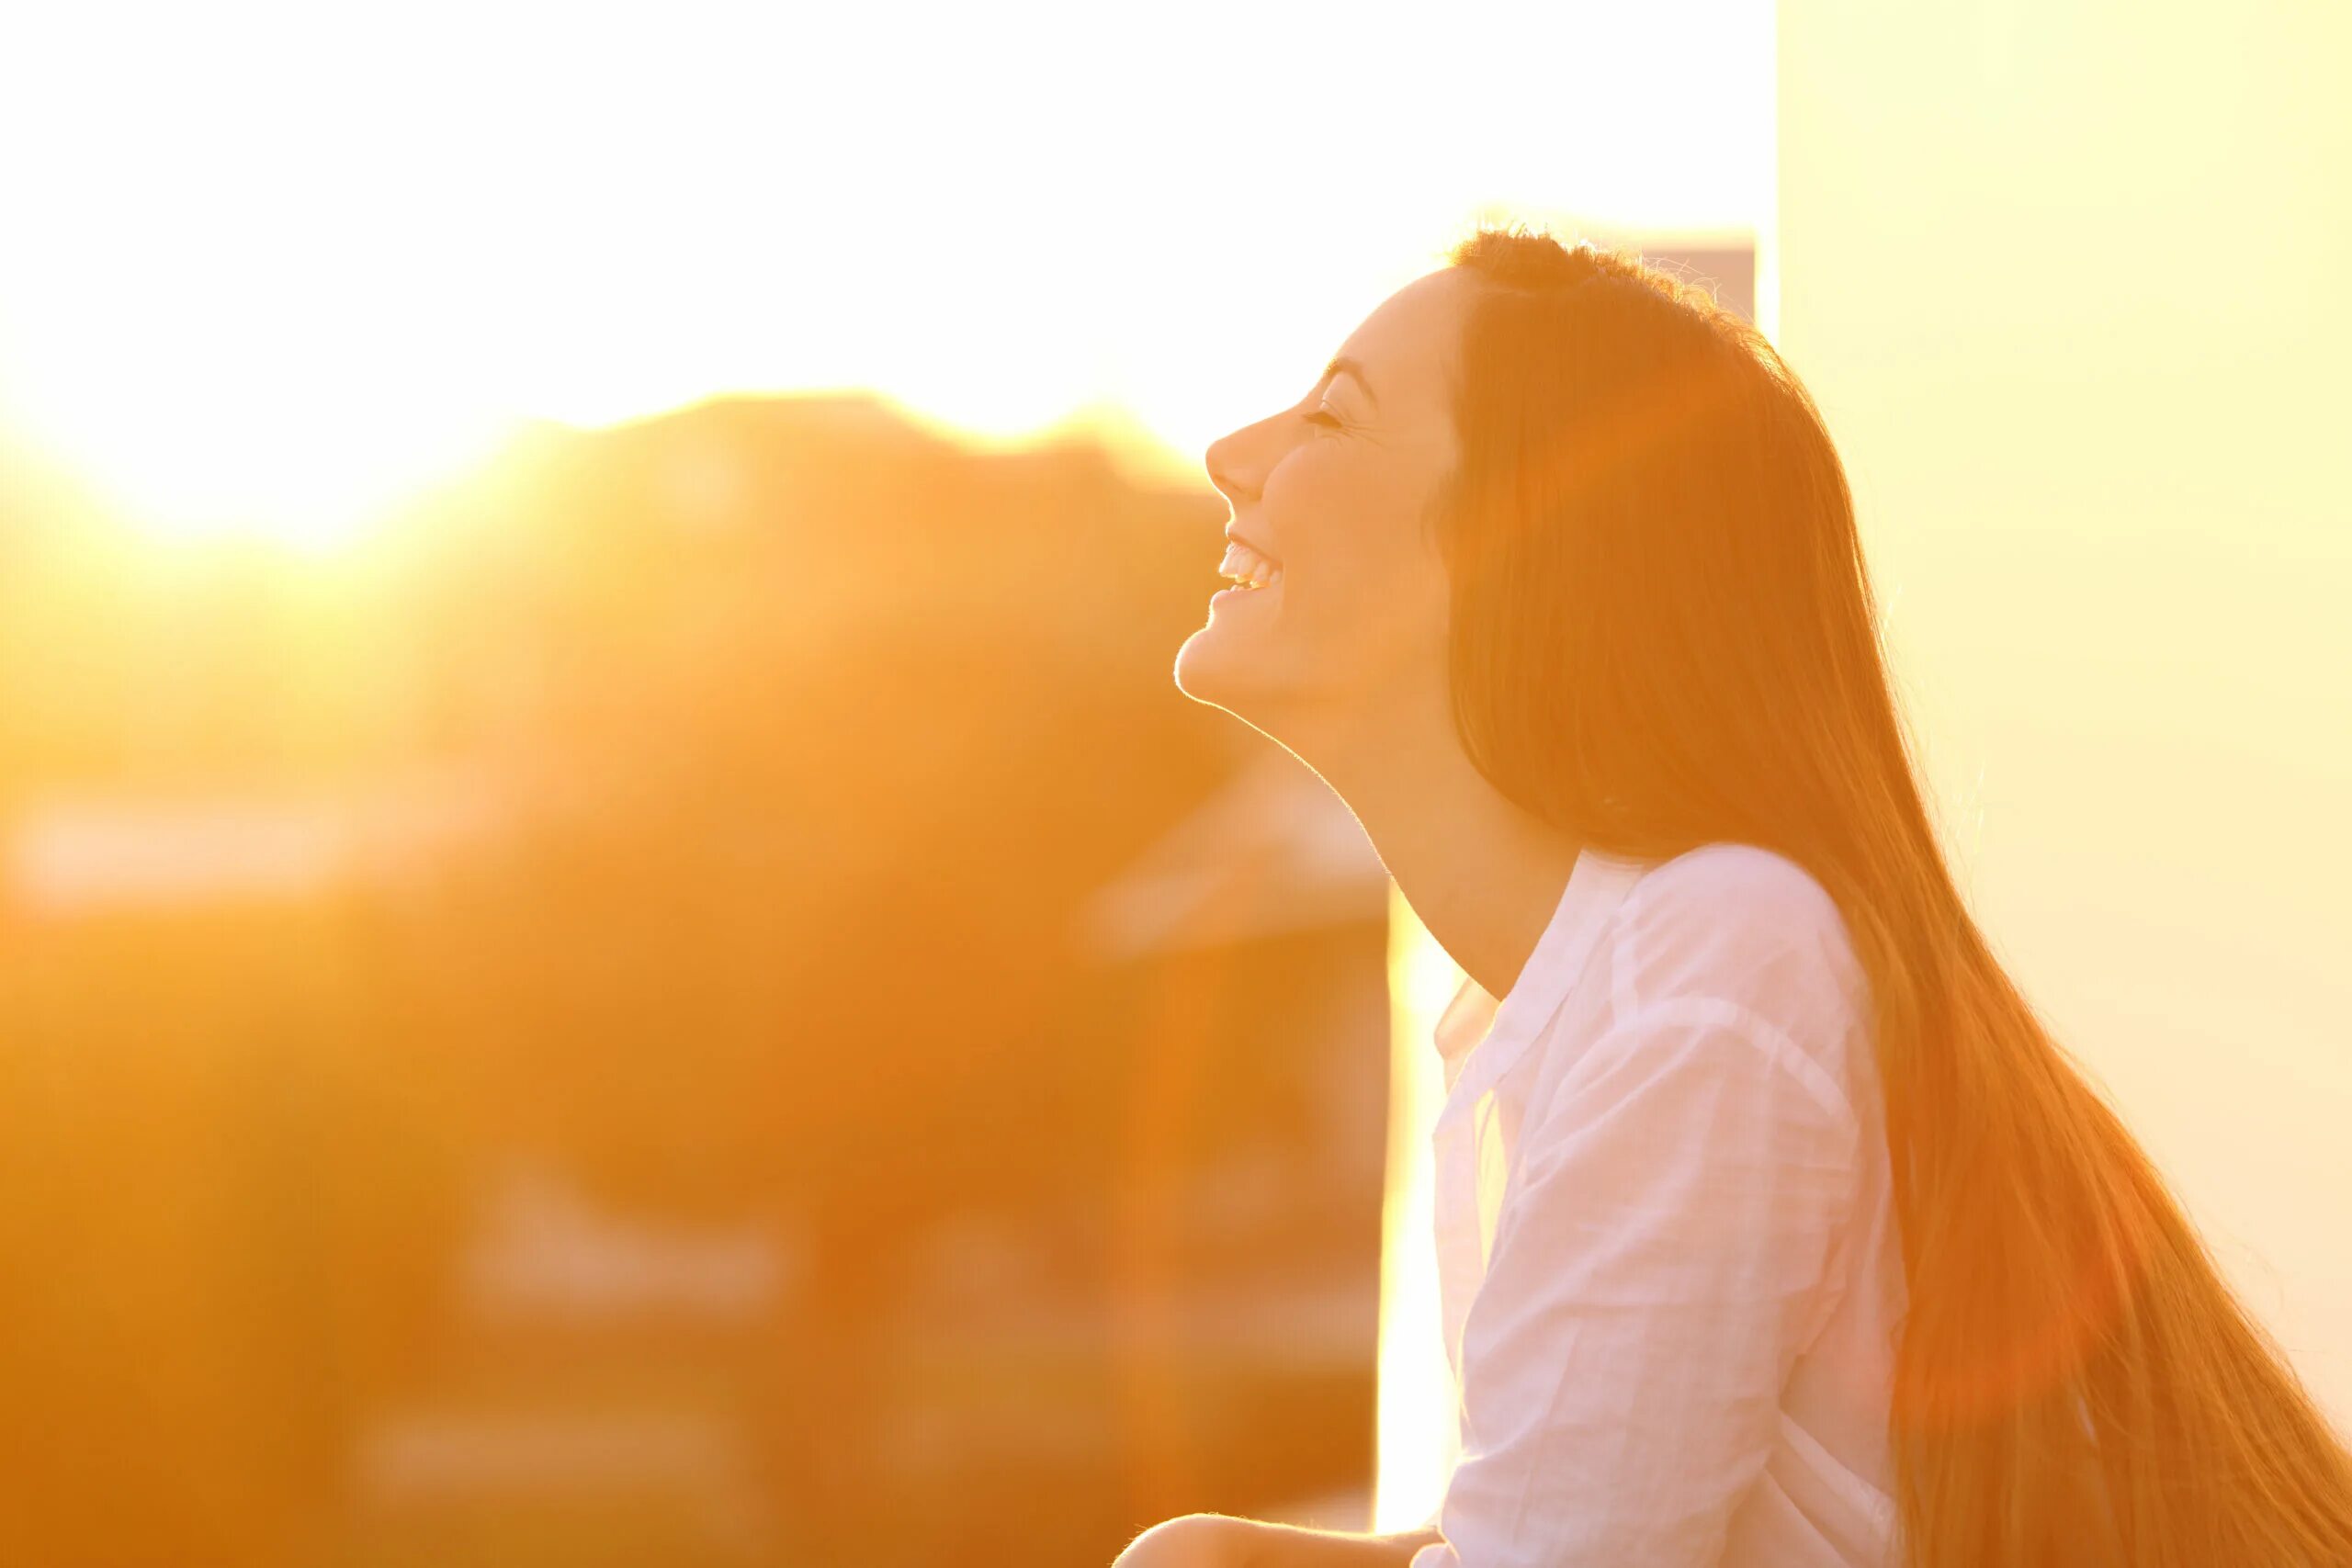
1497	1032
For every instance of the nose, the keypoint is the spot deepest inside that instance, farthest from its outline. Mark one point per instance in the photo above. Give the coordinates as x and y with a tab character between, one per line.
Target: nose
1238	463
1219	460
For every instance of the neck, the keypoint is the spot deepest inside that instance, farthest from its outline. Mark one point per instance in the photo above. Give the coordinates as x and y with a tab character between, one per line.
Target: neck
1484	875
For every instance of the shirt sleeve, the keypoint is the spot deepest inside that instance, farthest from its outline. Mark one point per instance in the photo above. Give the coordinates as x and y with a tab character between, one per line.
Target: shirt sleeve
1665	1257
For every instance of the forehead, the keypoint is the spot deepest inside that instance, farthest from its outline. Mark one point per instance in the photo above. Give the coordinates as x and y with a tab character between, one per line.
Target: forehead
1407	343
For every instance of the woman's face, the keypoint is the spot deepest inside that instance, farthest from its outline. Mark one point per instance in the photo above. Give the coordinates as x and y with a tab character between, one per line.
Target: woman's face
1334	488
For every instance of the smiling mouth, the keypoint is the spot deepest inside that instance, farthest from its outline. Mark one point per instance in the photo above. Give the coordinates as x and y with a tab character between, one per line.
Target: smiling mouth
1243	589
1249	568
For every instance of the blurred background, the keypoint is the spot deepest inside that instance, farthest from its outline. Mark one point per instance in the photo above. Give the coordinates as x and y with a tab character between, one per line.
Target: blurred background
616	946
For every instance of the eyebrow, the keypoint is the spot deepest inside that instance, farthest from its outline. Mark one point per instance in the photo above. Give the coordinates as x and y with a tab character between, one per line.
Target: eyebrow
1342	362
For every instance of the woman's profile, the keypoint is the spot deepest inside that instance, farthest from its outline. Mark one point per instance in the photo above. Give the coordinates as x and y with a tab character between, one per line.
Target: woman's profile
1773	1227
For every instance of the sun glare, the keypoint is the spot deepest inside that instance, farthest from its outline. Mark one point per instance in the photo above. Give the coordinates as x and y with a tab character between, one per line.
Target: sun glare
250	458
359	250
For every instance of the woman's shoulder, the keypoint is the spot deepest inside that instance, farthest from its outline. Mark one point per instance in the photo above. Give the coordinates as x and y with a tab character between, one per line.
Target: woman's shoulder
1730	886
1733	917
1752	935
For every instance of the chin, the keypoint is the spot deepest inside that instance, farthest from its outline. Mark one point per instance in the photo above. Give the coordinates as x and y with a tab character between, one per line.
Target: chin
1196	671
1211	669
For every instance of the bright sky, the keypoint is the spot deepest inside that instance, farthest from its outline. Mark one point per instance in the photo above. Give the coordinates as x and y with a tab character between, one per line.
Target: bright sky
270	266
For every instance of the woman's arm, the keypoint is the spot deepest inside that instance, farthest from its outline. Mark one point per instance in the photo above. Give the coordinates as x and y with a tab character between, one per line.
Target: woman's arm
1219	1540
1287	1546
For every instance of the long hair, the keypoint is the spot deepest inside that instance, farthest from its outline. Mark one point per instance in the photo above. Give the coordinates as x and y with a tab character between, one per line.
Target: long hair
1664	635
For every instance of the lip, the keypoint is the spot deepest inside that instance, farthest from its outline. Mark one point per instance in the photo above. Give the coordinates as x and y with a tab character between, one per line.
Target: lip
1227	594
1235	534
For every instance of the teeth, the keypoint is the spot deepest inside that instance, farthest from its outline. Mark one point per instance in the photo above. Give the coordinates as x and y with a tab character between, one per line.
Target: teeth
1249	568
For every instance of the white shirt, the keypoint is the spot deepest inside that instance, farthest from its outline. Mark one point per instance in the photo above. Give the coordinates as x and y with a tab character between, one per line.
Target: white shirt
1668	1257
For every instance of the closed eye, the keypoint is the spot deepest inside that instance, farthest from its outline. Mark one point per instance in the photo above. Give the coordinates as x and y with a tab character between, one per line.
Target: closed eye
1318	416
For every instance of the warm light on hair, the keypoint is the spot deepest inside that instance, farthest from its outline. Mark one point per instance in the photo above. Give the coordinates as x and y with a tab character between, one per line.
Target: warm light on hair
1664	635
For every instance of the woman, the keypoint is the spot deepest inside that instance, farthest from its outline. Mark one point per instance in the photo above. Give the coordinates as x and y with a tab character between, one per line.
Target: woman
1774	1228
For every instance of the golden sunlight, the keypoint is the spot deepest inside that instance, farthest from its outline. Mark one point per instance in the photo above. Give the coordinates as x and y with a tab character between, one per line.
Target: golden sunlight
618	940
360	252
256	453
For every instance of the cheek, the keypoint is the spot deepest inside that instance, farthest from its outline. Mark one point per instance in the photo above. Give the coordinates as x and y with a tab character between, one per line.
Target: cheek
1329	481
1356	561
1339	513
1365	601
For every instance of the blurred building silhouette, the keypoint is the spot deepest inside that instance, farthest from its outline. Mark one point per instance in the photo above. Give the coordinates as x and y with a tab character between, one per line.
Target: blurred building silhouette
577	1038
1272	850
